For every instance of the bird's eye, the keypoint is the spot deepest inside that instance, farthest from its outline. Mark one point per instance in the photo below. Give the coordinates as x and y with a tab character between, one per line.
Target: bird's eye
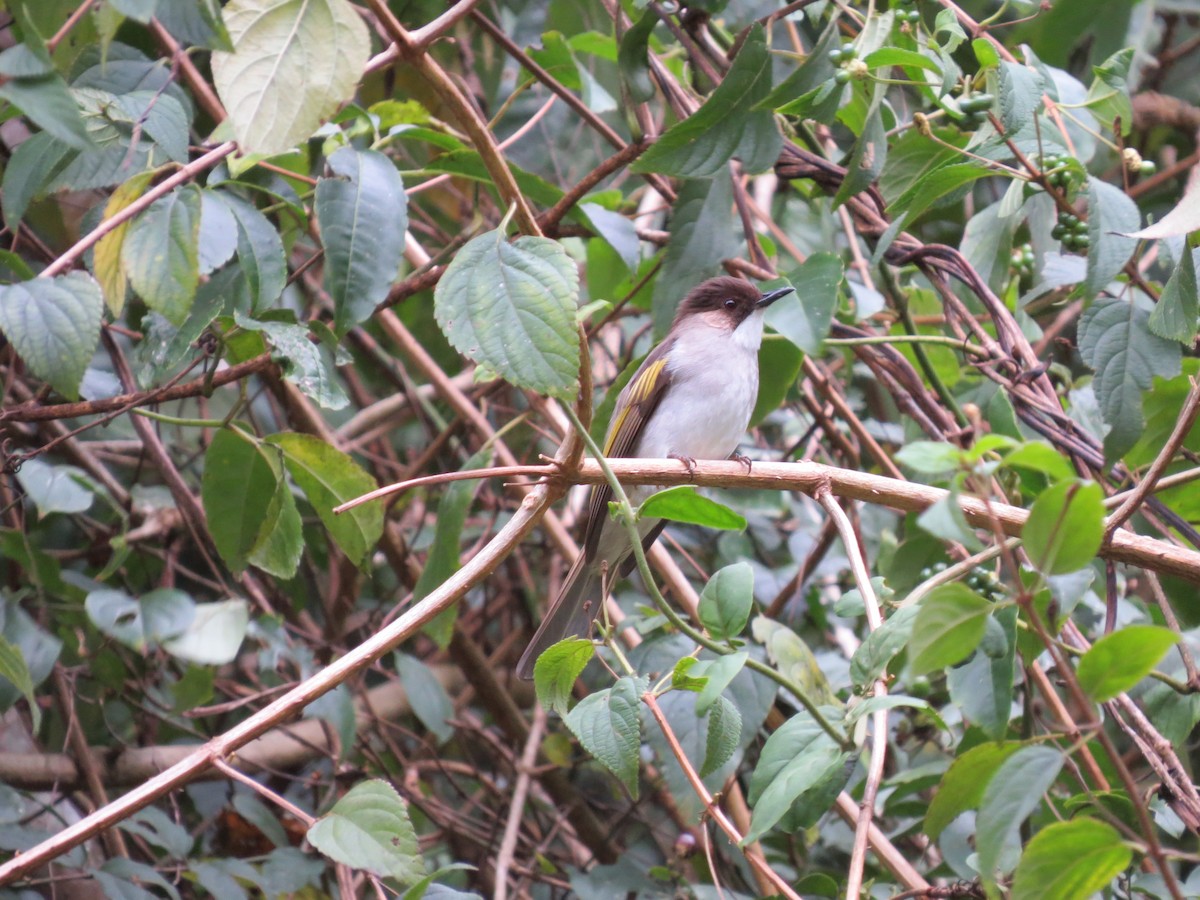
730	303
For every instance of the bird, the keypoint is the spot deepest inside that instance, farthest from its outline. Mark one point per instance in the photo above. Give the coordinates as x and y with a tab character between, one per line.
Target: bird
690	399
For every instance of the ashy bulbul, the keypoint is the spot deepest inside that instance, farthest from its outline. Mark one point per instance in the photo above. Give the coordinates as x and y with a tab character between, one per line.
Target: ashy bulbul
690	399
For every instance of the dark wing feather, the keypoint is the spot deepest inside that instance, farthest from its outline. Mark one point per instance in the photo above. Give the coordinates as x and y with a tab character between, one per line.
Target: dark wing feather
634	408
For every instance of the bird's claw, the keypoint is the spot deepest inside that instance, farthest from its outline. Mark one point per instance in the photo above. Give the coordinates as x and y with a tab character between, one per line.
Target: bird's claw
744	460
689	463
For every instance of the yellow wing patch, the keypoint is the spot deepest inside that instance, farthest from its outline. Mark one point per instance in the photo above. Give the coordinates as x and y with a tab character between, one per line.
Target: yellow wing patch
639	391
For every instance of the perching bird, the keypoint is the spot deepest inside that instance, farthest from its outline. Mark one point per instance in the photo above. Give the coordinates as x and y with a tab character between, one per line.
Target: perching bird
691	399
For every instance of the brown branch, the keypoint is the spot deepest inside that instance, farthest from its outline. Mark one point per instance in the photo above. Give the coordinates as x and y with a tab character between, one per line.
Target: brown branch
32	411
164	187
466	114
1138	495
291	704
753	856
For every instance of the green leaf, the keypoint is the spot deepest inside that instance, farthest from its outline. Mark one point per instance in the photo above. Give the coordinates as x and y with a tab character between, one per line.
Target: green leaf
963	784
329	478
430	702
982	687
294	62
779	365
161	253
556	670
869	153
871	658
511	308
54	324
1040	457
1011	795
311	367
724	732
934	186
1108	96
214	635
259	250
805	322
49	105
717	674
726	601
810	92
701	236
683	504
194	22
55	489
369	829
1065	527
159	616
281	543
1067	860
872	705
217	242
949	626
238	491
618	231
632	59
797	758
110	271
1174	316
794	659
727	125
160	117
14	668
1119	660
930	457
1020	96
1116	342
363	214
469	164
1111	214
608	726
886	57
442	560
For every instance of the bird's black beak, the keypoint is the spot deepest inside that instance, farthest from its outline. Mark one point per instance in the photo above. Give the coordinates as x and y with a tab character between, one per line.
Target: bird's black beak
771	296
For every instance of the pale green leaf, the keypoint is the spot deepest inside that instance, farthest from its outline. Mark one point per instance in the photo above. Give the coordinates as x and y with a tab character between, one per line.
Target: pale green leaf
54	324
294	62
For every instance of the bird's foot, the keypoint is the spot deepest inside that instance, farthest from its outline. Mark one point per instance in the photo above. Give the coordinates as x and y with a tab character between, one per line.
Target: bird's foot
689	463
744	460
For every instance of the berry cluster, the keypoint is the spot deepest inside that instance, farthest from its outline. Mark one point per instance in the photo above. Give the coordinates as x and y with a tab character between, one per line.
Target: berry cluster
910	15
980	579
1059	171
1023	259
1135	165
974	110
1072	231
846	56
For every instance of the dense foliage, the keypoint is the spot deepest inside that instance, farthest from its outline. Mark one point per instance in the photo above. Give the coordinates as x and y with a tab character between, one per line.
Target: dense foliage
263	258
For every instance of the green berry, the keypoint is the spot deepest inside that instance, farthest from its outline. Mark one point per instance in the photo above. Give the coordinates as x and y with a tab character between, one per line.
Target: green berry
835	56
914	16
1147	167
849	51
1058	232
1082	241
841	76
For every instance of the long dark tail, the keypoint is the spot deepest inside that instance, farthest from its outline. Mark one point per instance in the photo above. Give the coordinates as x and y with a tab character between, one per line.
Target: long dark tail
572	613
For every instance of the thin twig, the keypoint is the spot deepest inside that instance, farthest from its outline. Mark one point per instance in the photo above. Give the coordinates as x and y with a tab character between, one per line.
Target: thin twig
512	828
862	580
164	187
711	808
1183	425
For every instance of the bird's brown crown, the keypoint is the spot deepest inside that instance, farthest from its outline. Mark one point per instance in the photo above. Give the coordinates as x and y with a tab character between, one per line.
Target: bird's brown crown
725	296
